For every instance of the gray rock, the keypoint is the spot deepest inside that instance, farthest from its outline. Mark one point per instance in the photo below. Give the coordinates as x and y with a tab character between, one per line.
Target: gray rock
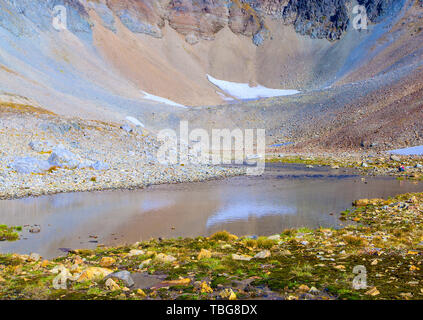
127	128
41	146
263	254
99	165
63	158
125	276
35	257
29	165
258	39
275	237
395	158
85	165
58	128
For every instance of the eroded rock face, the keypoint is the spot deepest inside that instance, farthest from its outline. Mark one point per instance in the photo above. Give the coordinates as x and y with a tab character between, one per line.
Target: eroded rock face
145	16
318	18
377	9
201	19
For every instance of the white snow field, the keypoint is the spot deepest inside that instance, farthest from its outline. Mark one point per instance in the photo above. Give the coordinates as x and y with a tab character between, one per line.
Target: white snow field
151	97
417	150
135	121
243	91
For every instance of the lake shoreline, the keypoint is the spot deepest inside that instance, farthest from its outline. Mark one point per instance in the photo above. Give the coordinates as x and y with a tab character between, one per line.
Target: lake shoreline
297	264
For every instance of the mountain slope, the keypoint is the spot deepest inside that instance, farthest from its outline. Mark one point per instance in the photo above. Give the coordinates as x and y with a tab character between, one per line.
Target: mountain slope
113	51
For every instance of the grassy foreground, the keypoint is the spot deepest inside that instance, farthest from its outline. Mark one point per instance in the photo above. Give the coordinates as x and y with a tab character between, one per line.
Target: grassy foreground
386	239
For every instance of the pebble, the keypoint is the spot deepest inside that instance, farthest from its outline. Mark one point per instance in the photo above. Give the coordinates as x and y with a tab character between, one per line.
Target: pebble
263	254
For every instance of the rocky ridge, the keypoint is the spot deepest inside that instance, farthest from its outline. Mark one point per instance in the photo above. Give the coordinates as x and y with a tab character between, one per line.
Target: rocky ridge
200	19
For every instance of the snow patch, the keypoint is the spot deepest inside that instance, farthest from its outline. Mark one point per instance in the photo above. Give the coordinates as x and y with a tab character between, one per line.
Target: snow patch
244	92
417	150
135	121
151	97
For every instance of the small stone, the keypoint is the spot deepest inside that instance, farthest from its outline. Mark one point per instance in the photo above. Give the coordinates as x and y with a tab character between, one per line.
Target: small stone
314	290
304	288
35	230
135	252
112	285
241	257
107	262
275	237
141	293
144	264
34	257
204	254
228	294
180	282
94	273
165	258
125	276
263	254
78	260
45	263
127	128
373	292
395	158
205	288
361	203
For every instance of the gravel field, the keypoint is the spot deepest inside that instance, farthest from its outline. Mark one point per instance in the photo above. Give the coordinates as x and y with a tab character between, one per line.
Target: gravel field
43	154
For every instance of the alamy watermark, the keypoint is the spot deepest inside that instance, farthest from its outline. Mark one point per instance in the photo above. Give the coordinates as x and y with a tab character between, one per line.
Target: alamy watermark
224	146
360	19
60	18
360	280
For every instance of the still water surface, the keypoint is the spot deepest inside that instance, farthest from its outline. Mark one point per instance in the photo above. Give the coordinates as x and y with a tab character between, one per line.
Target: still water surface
285	196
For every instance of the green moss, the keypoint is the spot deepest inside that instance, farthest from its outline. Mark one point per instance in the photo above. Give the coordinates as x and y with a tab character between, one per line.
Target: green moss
9	233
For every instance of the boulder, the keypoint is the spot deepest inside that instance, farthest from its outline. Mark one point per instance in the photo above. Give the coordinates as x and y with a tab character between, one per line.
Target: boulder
63	158
125	276
27	165
107	262
94	273
204	254
100	166
41	146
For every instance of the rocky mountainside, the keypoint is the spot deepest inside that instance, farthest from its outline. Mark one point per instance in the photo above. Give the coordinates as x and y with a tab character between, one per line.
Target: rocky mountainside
114	56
